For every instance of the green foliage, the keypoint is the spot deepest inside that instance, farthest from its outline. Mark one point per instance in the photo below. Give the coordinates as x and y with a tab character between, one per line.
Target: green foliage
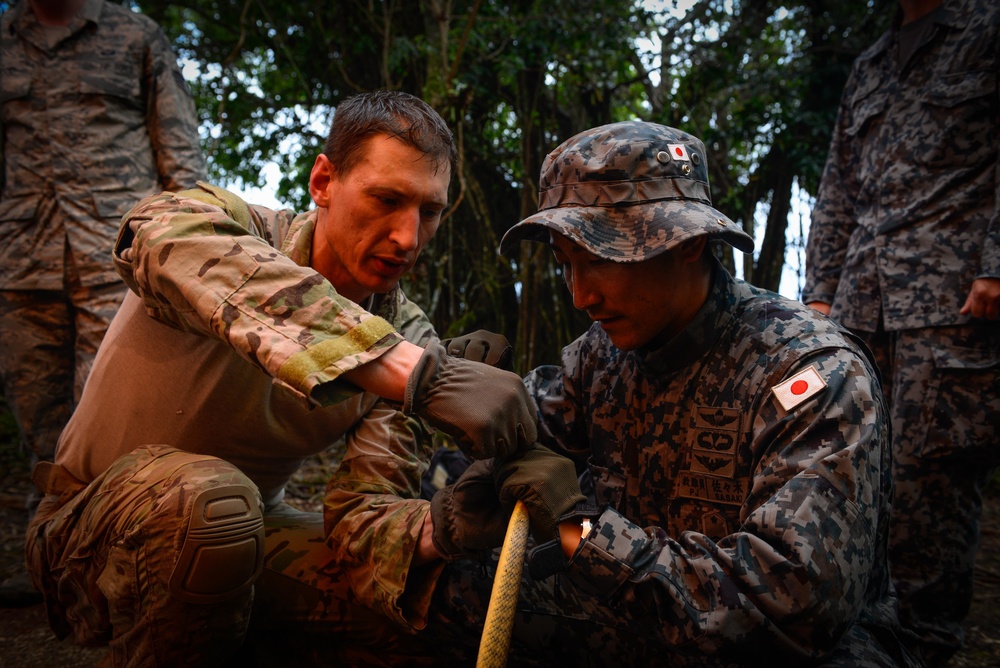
759	82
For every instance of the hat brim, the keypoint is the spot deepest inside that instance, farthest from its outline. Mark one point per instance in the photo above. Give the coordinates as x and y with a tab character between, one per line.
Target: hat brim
629	233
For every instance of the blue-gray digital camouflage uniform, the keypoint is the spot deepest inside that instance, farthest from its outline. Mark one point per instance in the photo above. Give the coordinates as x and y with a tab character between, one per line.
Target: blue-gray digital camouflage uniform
906	218
734	531
95	116
218	376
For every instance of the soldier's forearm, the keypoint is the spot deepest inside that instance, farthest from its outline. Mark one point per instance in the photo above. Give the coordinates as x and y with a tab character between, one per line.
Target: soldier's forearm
426	552
386	376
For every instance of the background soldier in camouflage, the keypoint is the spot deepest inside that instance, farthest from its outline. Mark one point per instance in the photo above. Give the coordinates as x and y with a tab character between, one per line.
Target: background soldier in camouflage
251	339
734	445
904	249
95	115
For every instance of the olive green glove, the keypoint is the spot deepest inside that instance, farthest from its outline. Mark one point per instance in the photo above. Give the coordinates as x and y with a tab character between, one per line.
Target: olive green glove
482	346
547	483
487	411
467	515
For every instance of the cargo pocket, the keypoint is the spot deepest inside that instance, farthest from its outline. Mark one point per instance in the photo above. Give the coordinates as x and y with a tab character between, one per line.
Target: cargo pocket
963	396
119	582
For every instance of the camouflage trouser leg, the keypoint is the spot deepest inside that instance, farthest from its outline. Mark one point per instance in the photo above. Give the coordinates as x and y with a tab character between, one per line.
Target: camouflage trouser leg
304	611
105	558
48	341
943	387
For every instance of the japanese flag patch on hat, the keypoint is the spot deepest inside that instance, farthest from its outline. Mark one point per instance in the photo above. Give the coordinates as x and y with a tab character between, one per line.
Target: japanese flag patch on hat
792	392
679	152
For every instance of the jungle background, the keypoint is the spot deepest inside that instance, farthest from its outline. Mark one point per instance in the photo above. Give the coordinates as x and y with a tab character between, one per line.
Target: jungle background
758	81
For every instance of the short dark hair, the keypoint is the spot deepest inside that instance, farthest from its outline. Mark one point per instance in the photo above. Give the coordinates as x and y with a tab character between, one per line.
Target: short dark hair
394	113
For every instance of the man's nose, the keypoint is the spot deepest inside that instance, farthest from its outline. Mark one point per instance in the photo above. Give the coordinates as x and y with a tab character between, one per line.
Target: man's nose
585	294
406	229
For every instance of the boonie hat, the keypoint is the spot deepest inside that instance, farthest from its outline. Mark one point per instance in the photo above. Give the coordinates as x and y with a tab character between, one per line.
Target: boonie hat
627	192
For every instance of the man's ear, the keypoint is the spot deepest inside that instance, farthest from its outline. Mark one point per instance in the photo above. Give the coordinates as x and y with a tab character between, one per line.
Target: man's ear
319	181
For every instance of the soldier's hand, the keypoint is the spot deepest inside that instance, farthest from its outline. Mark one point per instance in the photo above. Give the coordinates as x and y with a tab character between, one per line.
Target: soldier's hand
546	482
822	307
487	411
983	300
482	346
467	516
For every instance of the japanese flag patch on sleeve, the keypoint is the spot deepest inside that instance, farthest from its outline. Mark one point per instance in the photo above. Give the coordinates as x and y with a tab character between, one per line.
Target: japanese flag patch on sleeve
792	392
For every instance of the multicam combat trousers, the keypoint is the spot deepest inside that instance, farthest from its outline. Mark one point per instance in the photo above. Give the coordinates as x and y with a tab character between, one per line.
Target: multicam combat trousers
169	559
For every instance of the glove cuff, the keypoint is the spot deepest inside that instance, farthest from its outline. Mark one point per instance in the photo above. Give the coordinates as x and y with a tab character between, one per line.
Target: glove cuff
580	512
543	525
444	534
423	376
546	560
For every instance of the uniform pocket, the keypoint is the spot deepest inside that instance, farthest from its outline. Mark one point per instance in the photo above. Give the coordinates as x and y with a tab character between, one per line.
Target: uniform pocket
18	208
118	88
963	395
15	87
867	104
957	120
119	582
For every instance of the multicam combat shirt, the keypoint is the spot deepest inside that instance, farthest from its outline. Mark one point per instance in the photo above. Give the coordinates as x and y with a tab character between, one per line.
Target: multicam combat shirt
231	345
744	472
91	124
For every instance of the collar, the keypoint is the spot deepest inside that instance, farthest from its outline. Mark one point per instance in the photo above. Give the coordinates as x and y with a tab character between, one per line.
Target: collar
701	333
91	10
946	15
298	241
25	23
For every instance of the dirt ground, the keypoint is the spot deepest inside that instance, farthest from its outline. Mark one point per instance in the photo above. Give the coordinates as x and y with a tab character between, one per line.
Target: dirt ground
27	642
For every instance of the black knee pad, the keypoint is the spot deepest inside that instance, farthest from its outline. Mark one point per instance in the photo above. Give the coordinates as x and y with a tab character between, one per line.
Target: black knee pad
223	552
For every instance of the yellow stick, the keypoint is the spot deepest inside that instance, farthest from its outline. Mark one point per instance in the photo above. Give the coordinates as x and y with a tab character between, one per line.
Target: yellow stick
503	600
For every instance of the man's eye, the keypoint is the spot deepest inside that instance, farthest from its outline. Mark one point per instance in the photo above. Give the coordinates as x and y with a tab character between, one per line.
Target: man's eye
388	201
